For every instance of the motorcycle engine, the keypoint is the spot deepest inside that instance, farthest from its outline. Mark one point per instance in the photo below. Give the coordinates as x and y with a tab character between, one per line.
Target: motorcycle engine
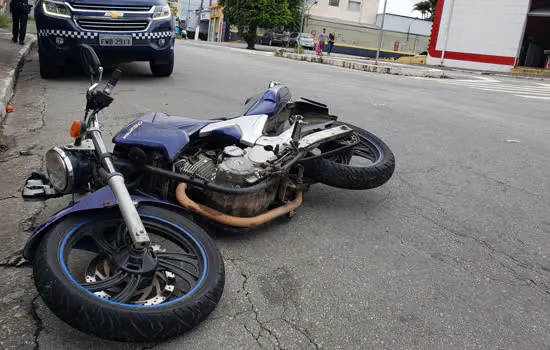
235	167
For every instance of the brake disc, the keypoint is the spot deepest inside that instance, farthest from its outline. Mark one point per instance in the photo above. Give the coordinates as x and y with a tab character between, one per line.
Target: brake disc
151	291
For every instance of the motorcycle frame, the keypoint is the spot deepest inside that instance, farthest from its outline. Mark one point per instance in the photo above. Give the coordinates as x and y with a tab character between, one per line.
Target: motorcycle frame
116	193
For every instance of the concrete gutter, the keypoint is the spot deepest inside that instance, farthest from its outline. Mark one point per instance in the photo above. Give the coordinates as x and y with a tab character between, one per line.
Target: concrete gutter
8	77
382	68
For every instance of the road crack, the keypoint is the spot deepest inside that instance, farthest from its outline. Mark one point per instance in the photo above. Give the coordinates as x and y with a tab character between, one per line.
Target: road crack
254	309
38	322
15	260
8	197
458	229
42	110
303	331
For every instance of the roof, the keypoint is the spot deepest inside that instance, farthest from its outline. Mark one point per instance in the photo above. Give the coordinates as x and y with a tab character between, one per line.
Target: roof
393	14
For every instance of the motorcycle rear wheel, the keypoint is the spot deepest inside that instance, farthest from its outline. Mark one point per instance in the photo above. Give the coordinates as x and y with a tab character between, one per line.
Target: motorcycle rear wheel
117	297
338	170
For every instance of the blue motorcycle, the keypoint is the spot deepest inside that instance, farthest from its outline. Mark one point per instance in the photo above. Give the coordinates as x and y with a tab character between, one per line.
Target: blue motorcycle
129	262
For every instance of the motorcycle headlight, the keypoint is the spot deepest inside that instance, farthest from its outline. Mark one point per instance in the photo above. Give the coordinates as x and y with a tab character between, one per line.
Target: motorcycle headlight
60	170
56	9
162	12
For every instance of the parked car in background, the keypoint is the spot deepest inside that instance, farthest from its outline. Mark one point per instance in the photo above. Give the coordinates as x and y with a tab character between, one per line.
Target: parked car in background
271	38
305	39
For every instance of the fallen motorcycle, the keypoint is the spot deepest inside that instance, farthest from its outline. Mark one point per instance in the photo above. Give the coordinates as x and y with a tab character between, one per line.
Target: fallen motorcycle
129	262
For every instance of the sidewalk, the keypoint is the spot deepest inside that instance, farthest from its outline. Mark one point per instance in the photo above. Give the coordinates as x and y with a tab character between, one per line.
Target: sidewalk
12	56
369	65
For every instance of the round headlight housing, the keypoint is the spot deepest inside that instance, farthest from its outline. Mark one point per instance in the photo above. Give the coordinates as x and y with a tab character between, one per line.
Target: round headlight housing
60	170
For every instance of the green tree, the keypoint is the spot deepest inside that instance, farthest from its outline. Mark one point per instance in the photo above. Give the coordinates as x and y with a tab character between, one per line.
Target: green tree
426	8
249	15
295	7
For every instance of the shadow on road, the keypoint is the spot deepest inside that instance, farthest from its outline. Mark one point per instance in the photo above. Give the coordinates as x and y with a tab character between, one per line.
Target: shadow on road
134	71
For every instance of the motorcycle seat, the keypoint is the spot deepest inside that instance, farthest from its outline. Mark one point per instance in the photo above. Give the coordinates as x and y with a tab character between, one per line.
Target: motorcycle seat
188	125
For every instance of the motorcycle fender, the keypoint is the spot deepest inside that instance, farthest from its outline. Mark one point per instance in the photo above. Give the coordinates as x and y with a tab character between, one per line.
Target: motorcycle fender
103	198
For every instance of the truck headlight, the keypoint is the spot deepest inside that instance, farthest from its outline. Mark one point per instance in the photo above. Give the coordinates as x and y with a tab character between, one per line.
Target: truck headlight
162	12
60	170
56	9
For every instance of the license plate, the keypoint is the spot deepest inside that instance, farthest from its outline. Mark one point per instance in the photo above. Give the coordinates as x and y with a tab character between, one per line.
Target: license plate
115	40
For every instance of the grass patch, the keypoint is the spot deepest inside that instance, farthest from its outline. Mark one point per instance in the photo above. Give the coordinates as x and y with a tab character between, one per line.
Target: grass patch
4	20
299	50
3	144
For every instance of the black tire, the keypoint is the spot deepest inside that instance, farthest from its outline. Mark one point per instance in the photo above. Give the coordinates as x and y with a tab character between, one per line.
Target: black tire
89	313
48	70
338	174
162	69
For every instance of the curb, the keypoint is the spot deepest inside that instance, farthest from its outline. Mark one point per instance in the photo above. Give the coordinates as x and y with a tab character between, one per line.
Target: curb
239	49
366	67
6	91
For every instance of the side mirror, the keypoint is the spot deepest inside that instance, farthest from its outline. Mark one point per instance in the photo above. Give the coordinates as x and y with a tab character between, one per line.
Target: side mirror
90	62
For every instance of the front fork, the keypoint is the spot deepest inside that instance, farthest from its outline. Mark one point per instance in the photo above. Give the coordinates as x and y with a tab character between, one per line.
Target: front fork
137	231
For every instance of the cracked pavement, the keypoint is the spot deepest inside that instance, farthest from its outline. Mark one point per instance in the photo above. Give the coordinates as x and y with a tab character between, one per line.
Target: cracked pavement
453	252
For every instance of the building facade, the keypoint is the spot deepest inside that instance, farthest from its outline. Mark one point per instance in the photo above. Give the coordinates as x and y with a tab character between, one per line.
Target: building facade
494	35
411	33
357	11
216	25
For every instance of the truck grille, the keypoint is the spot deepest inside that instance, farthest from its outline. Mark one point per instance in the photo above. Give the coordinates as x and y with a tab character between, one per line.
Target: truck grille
106	8
112	25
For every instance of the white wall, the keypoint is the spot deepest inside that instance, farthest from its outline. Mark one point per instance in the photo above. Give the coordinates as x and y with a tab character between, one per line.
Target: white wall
367	14
488	27
401	24
193	5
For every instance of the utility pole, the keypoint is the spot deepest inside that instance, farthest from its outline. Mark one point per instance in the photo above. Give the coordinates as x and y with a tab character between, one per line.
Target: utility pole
199	21
381	36
301	26
188	16
447	32
302	21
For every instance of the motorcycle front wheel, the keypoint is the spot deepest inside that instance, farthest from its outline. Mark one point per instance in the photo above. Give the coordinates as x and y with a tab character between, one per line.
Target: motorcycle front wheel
88	275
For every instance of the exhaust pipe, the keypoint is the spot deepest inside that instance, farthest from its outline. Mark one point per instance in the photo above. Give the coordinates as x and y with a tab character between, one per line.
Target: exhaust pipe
230	220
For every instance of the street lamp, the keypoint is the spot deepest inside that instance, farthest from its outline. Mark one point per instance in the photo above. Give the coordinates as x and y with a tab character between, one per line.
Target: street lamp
409	32
302	22
381	36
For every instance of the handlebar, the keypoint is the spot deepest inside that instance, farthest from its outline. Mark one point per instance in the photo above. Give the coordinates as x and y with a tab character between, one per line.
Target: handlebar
112	82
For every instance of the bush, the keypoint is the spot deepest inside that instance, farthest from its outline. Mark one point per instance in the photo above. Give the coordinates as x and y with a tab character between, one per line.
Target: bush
4	19
301	49
191	35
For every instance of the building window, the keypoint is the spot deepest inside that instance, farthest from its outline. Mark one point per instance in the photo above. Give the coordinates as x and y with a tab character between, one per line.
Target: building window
354	6
333	2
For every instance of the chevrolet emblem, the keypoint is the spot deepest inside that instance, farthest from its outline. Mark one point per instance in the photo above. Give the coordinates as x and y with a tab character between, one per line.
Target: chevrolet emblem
113	15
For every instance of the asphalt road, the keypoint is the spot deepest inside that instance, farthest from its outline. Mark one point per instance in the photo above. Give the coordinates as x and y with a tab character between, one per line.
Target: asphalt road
453	252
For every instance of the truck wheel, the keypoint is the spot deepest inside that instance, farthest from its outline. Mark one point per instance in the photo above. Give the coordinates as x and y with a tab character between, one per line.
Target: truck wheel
162	69
47	69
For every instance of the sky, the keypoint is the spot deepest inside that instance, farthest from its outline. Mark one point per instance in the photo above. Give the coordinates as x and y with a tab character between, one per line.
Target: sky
400	7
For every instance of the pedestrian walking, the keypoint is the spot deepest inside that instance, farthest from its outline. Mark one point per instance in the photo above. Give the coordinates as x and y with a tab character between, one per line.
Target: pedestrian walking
286	38
331	39
20	10
322	41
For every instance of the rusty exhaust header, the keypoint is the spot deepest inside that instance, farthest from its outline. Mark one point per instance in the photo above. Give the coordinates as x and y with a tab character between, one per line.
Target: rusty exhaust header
235	221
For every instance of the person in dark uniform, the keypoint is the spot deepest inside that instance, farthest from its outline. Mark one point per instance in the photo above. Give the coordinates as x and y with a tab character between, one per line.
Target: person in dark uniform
20	13
331	38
